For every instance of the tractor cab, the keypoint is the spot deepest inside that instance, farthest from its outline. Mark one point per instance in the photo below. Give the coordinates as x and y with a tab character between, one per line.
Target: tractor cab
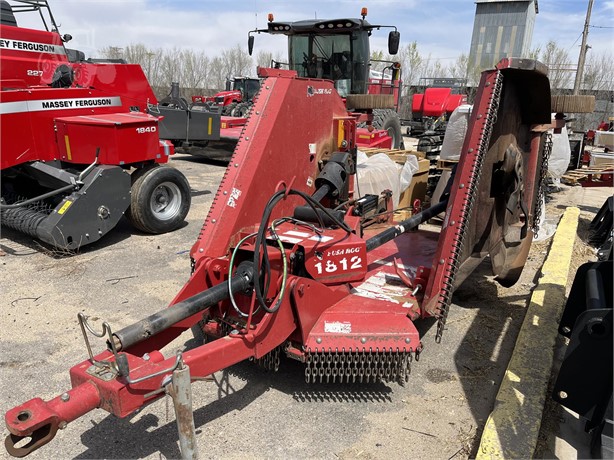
32	56
332	49
248	87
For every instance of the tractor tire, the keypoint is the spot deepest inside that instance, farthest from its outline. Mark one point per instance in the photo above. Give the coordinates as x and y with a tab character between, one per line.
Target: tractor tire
160	199
227	109
572	104
241	110
388	119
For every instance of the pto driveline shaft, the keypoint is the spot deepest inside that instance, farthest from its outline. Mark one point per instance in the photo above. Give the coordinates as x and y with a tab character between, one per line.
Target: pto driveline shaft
406	225
162	320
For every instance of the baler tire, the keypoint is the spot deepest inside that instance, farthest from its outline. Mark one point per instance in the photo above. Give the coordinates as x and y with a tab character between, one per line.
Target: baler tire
388	120
572	104
151	187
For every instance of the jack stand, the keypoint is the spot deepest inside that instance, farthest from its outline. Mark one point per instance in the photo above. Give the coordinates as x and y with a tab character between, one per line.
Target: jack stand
180	389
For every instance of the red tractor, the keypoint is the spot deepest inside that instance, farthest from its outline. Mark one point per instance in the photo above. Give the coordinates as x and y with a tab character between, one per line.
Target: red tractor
338	50
432	109
318	49
78	151
236	100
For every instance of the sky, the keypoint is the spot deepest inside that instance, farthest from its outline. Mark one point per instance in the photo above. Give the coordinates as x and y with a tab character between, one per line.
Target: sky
441	28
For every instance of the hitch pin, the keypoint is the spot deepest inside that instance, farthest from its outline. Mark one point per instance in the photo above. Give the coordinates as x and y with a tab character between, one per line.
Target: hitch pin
166	380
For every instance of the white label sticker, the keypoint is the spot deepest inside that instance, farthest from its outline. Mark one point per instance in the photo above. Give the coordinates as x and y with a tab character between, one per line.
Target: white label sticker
234	196
289	239
338	327
32	47
312	149
321	238
59	104
295	233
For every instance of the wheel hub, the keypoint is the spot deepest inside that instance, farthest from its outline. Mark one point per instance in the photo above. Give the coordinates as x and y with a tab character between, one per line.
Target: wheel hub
166	200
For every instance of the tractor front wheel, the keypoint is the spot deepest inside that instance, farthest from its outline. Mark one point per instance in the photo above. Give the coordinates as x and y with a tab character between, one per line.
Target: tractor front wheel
388	120
241	110
160	199
228	109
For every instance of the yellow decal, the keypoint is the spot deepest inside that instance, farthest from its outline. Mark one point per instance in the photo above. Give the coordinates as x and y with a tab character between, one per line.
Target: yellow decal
340	134
364	137
223	125
210	125
67	142
64	207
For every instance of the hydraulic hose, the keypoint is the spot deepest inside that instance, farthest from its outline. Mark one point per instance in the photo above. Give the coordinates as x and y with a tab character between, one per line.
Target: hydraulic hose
20	204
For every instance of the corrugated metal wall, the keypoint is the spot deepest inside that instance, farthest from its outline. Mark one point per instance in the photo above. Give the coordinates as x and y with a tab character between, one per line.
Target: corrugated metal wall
501	29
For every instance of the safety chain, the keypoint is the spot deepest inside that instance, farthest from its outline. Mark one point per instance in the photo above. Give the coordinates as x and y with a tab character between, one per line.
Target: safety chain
541	186
328	365
468	202
270	361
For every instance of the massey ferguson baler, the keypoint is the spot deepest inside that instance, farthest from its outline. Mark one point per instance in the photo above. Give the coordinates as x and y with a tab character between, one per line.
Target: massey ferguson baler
72	132
292	261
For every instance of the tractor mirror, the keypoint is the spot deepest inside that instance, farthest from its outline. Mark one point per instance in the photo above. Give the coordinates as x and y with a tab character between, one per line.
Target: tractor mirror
394	38
250	44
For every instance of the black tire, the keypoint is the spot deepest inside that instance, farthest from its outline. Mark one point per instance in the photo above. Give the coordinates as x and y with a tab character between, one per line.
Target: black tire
388	120
227	109
160	199
241	110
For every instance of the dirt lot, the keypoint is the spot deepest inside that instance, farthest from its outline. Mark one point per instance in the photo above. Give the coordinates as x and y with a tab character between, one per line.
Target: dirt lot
245	412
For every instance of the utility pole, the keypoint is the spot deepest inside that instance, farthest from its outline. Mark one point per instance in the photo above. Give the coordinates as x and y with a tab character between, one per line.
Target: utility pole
583	49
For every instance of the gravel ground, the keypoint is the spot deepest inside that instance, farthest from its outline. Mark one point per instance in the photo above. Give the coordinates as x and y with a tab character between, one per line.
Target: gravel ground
245	412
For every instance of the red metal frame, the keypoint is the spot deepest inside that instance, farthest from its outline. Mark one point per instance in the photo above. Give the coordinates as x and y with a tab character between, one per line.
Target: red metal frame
345	309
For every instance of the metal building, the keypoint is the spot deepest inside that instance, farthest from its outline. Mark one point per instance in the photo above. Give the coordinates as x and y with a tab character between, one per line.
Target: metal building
502	28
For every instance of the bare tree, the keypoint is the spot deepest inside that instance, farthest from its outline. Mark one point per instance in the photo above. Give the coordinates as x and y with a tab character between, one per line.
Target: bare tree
217	74
194	69
411	63
376	56
557	60
266	58
599	72
459	68
237	62
432	68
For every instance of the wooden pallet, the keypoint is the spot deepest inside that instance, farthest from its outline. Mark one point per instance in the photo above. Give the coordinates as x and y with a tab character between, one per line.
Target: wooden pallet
446	164
397	155
601	175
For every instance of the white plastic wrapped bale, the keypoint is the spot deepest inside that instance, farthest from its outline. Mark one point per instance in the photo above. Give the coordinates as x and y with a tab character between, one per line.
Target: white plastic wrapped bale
605	139
407	171
560	155
453	141
378	173
547	226
456	129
